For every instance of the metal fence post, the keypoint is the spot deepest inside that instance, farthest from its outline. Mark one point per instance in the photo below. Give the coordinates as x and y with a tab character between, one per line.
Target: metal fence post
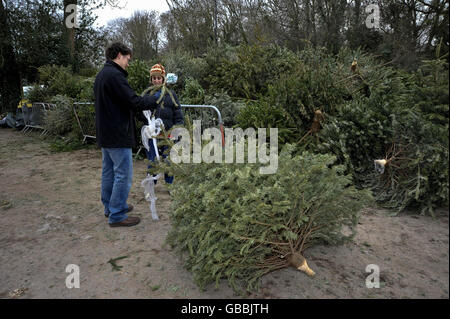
219	116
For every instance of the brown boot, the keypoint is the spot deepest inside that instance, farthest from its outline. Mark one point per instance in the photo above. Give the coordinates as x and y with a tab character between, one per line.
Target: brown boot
130	221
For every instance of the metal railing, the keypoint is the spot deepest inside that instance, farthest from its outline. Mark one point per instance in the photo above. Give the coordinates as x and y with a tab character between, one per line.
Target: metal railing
214	108
89	132
33	116
219	116
87	125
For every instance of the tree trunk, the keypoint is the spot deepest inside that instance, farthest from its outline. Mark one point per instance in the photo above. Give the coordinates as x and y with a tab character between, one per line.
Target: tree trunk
10	83
356	21
308	26
69	33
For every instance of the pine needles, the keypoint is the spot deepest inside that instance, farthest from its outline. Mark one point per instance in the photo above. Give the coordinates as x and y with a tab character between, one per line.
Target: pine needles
237	224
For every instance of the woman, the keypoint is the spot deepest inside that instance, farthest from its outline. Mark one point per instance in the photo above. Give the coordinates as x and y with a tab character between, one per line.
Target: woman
168	110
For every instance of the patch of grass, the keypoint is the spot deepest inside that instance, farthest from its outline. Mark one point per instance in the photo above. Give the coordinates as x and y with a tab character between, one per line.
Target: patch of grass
154	288
5	204
59	145
174	288
112	261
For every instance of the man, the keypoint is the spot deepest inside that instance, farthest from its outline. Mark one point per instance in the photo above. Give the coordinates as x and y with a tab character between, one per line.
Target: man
115	105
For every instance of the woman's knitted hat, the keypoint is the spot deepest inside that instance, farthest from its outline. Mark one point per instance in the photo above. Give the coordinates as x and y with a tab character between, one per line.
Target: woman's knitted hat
158	69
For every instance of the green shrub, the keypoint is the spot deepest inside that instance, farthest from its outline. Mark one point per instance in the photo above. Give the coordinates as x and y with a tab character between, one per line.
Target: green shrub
86	115
227	107
366	110
67	144
404	120
192	93
47	73
418	172
38	94
247	70
88	72
59	80
263	114
432	95
59	119
317	81
85	88
417	175
61	122
139	75
238	224
185	66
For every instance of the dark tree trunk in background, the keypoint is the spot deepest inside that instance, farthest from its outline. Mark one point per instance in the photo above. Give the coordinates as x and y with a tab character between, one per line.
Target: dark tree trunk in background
10	84
69	33
357	19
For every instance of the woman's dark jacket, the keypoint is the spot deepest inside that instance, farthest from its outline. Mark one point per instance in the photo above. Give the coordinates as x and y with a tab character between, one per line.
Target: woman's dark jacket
115	106
168	112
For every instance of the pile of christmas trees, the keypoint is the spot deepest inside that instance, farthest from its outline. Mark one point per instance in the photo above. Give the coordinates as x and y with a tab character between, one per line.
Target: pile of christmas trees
238	224
351	128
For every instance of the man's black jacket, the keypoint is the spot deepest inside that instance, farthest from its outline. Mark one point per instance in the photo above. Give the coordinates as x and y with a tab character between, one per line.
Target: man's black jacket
115	106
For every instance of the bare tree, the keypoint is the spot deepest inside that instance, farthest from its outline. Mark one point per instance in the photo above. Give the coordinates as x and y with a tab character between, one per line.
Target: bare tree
407	28
142	30
195	20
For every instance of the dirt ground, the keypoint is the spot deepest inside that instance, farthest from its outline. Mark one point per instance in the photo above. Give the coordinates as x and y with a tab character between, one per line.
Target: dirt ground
52	216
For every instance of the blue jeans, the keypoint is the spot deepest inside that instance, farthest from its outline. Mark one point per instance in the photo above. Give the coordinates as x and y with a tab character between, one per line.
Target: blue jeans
151	155
117	175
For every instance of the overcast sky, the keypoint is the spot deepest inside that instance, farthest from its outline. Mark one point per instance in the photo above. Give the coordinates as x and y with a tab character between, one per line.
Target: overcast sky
107	13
